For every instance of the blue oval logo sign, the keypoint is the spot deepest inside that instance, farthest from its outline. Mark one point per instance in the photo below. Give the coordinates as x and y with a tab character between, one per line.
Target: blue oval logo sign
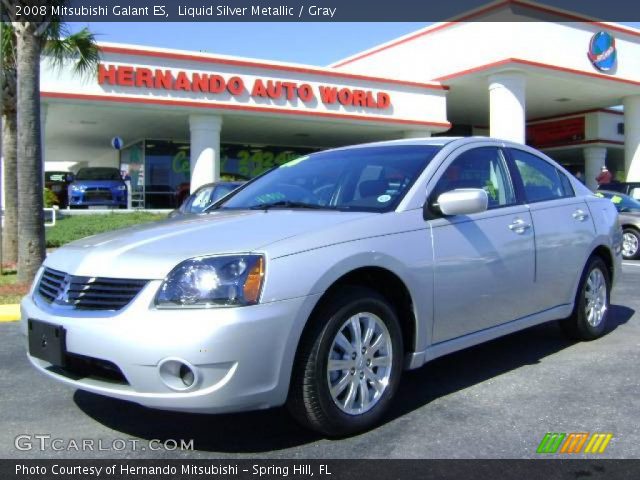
602	51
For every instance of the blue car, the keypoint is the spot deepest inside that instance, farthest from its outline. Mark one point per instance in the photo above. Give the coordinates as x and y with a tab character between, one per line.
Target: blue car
98	187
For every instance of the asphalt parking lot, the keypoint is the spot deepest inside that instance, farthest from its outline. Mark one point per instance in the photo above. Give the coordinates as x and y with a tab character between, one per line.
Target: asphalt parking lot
493	401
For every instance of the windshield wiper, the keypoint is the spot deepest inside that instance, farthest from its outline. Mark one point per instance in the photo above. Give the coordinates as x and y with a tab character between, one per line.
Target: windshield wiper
288	204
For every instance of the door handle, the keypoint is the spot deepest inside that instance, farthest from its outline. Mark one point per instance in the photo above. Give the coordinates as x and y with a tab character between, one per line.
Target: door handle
580	215
519	226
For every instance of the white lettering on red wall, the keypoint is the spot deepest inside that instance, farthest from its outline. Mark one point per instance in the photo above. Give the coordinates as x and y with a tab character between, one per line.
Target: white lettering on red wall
141	77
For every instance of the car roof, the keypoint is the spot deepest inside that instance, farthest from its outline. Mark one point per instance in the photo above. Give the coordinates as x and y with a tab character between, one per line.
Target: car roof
435	141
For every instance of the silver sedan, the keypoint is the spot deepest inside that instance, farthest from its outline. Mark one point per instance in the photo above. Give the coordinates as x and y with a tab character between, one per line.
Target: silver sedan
317	284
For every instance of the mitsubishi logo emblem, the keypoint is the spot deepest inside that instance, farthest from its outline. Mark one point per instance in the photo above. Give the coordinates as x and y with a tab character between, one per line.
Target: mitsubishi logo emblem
62	297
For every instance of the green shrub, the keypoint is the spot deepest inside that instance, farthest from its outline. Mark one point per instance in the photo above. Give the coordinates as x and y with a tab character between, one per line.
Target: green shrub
70	228
50	198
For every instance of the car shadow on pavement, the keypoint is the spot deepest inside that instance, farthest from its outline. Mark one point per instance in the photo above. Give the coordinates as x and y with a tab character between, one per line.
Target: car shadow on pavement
274	429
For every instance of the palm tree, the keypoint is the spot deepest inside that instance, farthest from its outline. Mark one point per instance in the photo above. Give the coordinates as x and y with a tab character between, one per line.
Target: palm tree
25	41
9	129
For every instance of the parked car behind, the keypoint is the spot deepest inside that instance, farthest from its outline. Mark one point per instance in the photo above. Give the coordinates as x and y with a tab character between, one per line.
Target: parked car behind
58	182
316	284
628	188
205	196
98	187
629	214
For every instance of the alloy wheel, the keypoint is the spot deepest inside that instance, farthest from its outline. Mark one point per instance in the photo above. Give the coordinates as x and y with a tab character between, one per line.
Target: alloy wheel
595	297
359	364
629	245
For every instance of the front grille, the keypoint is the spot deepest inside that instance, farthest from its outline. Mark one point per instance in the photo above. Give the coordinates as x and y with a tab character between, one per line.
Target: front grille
97	193
87	293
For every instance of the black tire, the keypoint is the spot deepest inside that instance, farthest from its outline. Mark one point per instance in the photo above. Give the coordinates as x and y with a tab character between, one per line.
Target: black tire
635	233
310	401
577	327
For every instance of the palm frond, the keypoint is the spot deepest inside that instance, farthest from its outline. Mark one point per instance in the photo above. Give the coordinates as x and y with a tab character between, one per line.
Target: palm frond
79	47
8	44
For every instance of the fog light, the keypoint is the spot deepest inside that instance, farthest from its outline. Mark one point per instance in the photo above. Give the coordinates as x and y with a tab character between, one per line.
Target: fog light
177	374
186	375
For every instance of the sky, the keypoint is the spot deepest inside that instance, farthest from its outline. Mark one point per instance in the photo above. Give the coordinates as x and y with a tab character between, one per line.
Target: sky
311	43
299	42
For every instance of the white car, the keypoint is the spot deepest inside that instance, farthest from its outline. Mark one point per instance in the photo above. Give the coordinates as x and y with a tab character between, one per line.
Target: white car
318	283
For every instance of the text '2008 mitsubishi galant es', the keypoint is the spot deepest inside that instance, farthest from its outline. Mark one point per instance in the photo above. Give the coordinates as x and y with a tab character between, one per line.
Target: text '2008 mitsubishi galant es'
316	284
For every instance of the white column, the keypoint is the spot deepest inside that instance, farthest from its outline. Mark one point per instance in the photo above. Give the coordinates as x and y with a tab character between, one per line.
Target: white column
44	108
43	129
632	138
205	149
507	106
416	133
594	159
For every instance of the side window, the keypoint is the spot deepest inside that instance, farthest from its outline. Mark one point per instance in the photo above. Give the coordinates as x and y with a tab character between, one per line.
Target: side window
542	181
484	168
566	185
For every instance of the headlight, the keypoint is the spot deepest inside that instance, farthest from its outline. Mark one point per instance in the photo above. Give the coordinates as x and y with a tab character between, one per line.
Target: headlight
122	188
213	282
77	188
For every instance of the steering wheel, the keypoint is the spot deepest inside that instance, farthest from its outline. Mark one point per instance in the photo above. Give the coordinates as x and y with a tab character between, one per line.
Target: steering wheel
296	193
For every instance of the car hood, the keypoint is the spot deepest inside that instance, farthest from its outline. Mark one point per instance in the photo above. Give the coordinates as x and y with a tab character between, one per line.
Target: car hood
150	251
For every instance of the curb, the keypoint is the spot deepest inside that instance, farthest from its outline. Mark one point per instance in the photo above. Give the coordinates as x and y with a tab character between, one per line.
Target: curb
9	313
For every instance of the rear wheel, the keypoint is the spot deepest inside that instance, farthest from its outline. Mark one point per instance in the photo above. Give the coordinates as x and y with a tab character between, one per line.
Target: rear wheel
630	244
348	365
589	317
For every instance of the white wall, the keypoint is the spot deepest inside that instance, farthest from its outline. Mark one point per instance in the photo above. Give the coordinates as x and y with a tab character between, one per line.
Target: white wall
465	46
408	103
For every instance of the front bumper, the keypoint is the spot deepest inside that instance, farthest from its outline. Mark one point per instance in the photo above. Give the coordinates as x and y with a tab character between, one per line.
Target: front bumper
242	356
117	199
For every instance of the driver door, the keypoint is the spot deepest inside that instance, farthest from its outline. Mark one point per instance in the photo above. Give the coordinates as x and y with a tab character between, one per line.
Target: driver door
483	263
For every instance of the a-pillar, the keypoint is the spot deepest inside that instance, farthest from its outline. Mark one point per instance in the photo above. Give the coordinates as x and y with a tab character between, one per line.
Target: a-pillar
507	92
205	149
632	138
416	134
594	159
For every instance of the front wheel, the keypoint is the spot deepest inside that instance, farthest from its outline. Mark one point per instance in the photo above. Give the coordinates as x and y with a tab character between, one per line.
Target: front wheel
630	244
589	317
348	364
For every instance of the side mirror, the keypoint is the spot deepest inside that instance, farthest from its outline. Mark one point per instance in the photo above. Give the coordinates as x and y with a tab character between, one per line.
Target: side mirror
464	201
70	177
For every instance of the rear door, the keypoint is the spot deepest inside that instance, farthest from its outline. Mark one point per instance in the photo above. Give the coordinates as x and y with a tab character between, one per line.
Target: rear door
562	225
484	262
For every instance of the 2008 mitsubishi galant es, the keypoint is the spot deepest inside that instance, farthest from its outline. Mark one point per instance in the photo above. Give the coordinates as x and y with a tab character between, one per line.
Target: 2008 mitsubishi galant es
317	283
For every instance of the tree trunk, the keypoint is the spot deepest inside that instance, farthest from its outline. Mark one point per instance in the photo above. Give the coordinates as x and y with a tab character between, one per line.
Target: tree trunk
31	246
10	228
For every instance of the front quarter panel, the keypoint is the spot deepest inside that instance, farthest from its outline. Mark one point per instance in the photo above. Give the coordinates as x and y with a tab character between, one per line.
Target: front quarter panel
407	254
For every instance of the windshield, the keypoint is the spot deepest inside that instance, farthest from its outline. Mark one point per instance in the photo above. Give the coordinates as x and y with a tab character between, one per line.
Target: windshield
360	179
623	203
98	174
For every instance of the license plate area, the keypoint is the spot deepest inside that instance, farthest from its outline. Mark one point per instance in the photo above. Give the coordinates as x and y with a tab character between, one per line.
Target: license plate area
47	342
